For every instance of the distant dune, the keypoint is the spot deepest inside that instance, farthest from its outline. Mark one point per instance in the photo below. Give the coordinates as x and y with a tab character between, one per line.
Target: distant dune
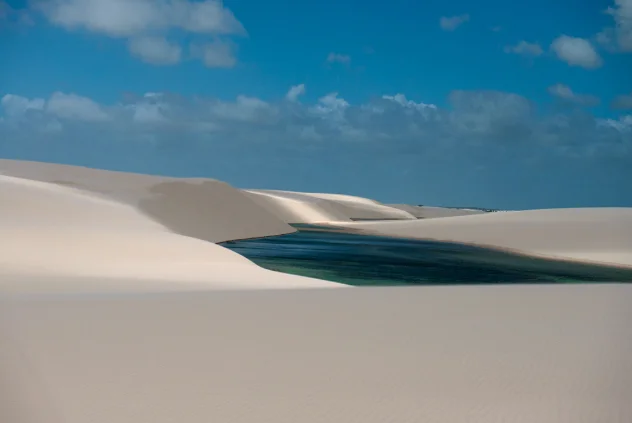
294	207
304	207
427	212
201	208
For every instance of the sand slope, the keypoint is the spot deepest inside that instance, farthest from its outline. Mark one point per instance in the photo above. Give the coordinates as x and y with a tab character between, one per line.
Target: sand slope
202	208
601	235
304	207
428	212
57	238
517	354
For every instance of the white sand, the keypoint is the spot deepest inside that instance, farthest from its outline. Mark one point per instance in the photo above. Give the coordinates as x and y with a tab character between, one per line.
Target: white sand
428	212
202	208
120	349
305	207
602	235
56	238
518	354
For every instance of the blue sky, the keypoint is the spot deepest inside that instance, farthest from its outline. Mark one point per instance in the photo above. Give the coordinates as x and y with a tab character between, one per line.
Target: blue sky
498	104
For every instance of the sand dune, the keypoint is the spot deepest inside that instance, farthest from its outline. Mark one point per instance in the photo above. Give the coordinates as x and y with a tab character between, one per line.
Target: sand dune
296	208
304	207
519	354
56	238
428	212
201	208
602	235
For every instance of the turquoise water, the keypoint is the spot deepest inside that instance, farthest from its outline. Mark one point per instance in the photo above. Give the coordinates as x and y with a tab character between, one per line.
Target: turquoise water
373	260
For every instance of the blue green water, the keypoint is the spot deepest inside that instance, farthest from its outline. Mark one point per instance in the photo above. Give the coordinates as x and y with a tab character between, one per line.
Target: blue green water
373	260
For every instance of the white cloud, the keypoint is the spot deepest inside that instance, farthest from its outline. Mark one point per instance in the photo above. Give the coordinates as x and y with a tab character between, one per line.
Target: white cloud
149	112
492	114
622	125
117	18
155	50
217	54
606	38
525	49
295	92
338	58
146	23
124	18
576	52
619	36
330	106
404	102
453	22
208	16
246	109
387	123
75	107
622	102
15	105
564	92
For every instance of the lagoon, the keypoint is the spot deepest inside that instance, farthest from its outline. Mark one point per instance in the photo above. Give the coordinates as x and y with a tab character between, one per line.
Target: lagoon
356	259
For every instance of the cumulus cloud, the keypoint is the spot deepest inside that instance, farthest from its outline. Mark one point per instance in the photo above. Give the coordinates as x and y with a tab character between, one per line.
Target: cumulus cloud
216	54
155	50
295	92
524	48
576	52
150	109
59	105
453	22
492	114
386	124
622	102
145	23
338	58
124	18
565	93
330	106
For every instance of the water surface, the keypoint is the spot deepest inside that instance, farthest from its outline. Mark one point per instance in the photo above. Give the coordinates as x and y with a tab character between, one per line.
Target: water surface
374	260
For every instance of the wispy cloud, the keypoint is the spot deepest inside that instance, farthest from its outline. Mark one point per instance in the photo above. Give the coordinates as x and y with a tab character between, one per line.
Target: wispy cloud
14	17
295	92
618	37
622	102
526	49
453	22
564	92
216	54
338	58
155	50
